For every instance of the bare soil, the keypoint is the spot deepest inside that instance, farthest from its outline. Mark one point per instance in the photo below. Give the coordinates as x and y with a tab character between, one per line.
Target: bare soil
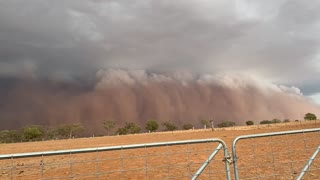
263	158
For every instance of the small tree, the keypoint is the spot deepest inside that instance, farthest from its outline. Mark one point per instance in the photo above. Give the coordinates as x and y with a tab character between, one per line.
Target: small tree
4	136
286	120
169	126
108	125
52	133
69	130
205	123
122	131
129	128
249	123
265	122
132	128
10	136
32	133
227	124
187	126
276	120
310	116
152	125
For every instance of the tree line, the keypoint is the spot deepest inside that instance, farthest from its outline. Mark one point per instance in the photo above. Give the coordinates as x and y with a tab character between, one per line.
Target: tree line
307	117
38	132
66	131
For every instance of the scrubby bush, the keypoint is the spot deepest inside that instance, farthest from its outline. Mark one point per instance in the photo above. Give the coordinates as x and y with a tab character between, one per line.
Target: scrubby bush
122	131
226	124
286	120
10	136
187	126
108	125
129	128
132	128
169	126
32	133
152	125
69	130
205	123
249	123
276	121
265	122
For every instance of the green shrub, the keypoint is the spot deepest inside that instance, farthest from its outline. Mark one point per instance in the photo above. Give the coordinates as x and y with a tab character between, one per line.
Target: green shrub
276	121
169	126
310	116
32	133
132	128
122	131
205	122
129	128
249	123
226	124
152	125
187	126
265	122
108	125
10	136
286	120
69	130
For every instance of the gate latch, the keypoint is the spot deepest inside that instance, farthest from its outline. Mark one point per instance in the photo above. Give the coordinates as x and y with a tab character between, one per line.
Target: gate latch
227	159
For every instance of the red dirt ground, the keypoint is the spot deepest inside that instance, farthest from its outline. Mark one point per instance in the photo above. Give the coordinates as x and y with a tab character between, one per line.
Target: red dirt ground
281	157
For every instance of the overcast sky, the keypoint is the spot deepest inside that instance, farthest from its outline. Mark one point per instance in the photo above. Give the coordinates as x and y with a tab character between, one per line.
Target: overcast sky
277	40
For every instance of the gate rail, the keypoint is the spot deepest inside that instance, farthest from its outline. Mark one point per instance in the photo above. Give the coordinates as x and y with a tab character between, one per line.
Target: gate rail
222	144
306	168
234	145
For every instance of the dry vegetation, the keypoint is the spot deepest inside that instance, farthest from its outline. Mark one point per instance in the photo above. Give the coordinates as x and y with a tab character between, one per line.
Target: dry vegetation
256	157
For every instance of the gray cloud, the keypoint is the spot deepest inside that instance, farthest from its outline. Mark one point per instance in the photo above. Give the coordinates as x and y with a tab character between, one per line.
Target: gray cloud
277	40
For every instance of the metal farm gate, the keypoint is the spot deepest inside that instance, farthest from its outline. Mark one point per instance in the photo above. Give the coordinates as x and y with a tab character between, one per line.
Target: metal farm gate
279	155
189	159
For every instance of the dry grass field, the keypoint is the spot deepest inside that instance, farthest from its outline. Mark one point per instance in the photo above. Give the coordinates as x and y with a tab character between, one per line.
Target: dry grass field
264	158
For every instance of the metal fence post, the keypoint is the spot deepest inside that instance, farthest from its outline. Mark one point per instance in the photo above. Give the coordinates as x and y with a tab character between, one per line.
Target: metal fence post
11	170
42	167
122	164
70	165
97	166
168	161
146	161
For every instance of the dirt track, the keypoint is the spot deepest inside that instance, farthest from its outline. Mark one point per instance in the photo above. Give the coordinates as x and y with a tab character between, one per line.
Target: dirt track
177	162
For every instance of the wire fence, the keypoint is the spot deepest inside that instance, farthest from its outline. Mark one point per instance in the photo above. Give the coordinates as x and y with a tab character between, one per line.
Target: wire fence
280	155
203	159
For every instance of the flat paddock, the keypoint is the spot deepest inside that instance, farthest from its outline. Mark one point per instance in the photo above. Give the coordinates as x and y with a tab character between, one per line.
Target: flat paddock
174	162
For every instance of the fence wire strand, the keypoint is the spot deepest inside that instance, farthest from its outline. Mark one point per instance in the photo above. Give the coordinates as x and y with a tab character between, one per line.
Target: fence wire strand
171	161
264	156
281	156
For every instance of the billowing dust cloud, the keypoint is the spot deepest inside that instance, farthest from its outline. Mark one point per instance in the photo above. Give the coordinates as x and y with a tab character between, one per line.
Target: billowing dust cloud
137	96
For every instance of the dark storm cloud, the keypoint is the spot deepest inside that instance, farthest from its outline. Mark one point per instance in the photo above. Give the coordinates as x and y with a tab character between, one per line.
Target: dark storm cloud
278	40
180	60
